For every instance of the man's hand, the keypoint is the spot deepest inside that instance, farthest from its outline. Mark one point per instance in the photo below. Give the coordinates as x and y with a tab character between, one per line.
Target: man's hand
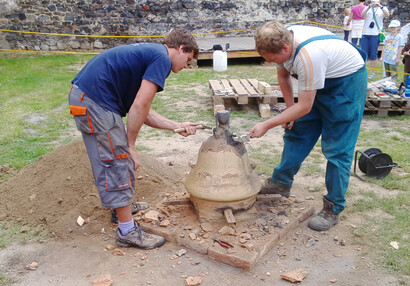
258	130
288	125
134	157
189	128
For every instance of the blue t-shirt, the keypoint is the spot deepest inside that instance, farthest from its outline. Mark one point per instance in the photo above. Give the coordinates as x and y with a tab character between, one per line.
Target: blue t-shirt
113	78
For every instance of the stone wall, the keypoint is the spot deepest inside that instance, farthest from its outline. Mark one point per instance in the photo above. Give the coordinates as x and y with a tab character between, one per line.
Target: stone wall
154	17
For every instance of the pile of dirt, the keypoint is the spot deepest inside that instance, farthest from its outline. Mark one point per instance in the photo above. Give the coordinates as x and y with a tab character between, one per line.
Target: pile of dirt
58	187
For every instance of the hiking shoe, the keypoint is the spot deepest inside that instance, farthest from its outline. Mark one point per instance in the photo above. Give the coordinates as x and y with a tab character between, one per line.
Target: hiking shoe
270	187
325	219
139	238
136	207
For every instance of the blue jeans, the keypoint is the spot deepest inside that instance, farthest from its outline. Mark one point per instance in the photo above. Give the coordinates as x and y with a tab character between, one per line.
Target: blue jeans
370	45
336	116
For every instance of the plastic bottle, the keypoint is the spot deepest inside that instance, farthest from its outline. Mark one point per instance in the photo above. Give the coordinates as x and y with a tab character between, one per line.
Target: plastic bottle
407	91
220	61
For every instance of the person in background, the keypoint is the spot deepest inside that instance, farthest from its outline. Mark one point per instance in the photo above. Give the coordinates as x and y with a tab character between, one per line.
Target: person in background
332	87
123	81
406	59
347	25
357	22
373	23
392	48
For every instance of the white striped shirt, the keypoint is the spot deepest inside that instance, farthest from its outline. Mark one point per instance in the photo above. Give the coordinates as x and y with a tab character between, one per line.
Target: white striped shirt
320	59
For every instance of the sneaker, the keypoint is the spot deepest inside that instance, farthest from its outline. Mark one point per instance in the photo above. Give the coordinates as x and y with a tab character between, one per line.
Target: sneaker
270	187
136	207
139	238
325	219
372	75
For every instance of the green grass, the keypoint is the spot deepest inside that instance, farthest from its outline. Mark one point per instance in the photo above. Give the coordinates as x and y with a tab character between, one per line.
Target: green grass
34	105
380	231
11	233
5	280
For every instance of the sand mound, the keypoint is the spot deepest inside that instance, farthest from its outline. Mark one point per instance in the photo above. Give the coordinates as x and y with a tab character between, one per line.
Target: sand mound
58	187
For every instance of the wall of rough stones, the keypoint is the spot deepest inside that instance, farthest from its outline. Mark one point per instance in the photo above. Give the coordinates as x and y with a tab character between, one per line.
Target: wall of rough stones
154	17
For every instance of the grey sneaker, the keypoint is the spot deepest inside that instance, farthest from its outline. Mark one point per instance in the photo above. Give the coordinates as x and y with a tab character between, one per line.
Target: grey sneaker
136	207
325	219
139	238
270	187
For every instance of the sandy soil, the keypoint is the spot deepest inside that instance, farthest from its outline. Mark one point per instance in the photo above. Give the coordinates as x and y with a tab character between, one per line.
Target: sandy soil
53	191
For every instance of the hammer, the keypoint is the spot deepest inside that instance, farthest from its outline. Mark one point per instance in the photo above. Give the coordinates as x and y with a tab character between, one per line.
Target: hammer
199	126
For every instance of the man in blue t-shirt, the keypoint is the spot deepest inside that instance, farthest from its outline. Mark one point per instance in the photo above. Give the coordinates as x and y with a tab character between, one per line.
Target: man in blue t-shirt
120	81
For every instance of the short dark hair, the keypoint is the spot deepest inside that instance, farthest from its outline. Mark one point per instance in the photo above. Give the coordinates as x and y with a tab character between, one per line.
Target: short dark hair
181	36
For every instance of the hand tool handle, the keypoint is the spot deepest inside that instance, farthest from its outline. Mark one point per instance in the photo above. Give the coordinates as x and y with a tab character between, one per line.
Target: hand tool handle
199	126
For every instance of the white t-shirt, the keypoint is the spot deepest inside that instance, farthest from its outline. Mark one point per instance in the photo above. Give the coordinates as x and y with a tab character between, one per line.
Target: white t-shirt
320	59
345	25
379	15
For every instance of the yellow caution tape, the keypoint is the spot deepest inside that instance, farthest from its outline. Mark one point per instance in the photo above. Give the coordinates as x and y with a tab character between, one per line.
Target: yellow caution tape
376	69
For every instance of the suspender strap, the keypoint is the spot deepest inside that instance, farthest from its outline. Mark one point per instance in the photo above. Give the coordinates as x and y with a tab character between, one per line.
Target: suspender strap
322	37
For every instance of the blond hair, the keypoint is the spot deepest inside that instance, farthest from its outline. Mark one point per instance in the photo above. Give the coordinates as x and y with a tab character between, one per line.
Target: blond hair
271	37
347	11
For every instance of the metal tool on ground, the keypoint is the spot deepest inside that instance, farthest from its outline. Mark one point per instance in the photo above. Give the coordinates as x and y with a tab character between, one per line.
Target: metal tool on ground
374	163
223	243
199	126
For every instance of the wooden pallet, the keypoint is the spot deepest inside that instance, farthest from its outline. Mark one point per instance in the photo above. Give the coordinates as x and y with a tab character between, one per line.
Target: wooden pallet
242	90
384	103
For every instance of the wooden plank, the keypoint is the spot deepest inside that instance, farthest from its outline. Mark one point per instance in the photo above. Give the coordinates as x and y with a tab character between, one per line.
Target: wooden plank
229	216
227	87
249	87
215	86
385	103
238	87
240	90
254	82
369	105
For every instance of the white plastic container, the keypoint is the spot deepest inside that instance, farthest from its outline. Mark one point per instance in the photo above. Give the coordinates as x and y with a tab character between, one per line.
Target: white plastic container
220	61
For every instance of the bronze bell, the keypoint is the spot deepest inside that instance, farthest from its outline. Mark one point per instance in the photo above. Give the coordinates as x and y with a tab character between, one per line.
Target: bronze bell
222	179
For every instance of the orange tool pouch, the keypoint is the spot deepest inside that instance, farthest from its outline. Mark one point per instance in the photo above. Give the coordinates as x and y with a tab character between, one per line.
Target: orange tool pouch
78	110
